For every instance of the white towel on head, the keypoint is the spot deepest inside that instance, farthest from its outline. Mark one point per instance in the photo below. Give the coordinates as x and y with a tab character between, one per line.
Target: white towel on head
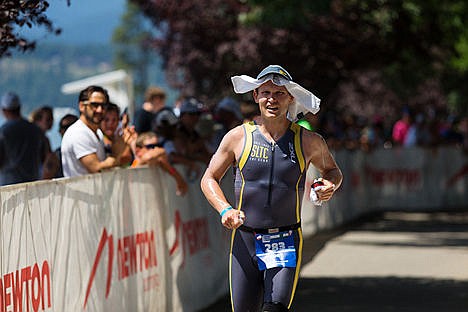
304	100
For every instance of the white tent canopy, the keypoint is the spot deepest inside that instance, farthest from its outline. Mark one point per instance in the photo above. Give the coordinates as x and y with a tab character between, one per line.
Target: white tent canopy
118	83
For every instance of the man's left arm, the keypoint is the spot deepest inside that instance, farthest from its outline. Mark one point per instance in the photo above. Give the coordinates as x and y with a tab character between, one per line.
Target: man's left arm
319	156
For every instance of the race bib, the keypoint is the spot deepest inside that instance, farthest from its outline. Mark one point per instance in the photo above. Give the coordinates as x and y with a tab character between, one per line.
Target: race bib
275	250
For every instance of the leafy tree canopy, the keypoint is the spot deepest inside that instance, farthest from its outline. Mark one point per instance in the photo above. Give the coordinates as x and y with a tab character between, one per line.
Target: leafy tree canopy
15	14
404	48
132	40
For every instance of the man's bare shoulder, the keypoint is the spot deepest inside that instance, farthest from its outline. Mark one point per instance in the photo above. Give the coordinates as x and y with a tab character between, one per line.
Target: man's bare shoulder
233	139
236	133
311	137
313	143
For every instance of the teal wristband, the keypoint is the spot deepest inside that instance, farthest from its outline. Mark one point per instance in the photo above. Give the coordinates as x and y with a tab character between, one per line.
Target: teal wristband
225	210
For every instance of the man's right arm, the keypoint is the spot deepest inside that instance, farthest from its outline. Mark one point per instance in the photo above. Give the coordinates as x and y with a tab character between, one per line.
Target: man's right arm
119	146
92	164
223	158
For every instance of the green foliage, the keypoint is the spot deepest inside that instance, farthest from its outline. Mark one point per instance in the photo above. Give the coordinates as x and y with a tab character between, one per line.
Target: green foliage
409	45
460	60
283	13
16	14
133	52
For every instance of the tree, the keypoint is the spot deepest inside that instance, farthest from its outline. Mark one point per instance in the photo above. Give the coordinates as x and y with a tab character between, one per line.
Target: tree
133	47
326	44
196	40
17	13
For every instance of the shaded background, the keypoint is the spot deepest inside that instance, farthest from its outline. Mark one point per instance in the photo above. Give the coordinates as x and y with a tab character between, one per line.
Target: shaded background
367	60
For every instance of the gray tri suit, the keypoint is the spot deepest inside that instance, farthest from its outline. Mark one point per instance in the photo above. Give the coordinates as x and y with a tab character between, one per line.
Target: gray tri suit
269	186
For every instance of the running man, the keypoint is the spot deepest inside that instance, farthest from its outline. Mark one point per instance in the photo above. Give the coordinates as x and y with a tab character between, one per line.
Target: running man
271	158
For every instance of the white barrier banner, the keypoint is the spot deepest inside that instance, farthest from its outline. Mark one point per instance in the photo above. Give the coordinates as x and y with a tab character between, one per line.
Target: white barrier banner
117	241
123	241
83	246
198	247
407	179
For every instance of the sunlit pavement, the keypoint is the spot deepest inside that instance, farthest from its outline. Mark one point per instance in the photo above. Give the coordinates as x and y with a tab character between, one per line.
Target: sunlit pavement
391	262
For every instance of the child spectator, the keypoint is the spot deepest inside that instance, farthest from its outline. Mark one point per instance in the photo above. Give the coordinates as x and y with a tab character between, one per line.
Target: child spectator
109	127
147	152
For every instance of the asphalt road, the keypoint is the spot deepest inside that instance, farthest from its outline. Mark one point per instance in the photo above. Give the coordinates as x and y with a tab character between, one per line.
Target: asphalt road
395	261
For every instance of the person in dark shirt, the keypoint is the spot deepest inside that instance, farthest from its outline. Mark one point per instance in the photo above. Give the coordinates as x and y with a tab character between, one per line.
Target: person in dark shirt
190	147
43	117
23	146
57	171
155	100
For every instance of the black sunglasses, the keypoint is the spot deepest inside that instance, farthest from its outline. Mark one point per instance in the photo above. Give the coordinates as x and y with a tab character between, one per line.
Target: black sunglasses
95	104
151	146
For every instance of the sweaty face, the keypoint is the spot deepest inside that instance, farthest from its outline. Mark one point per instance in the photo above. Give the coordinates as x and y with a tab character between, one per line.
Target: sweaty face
273	100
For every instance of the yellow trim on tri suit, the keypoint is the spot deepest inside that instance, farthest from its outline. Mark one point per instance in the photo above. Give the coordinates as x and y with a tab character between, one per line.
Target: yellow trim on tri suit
298	207
230	268
297	145
298	266
248	129
298	149
300	157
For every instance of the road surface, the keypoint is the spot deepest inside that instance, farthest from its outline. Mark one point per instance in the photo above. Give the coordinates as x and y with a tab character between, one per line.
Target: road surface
395	261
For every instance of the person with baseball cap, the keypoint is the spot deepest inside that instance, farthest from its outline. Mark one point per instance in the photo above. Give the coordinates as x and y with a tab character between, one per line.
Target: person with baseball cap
190	146
271	158
23	146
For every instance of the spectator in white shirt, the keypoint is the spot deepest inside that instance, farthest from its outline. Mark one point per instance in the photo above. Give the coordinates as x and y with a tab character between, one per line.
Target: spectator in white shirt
82	144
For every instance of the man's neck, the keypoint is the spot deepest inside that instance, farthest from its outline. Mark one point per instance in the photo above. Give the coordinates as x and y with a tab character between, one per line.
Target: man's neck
90	125
274	128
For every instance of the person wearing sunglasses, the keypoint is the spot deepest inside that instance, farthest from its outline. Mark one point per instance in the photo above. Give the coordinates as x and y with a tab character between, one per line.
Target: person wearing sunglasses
82	144
148	152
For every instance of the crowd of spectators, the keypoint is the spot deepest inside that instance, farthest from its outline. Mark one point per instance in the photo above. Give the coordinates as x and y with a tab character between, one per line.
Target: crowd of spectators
186	133
428	130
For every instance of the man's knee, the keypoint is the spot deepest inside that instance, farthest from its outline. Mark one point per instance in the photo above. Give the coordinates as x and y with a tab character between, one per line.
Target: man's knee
274	307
